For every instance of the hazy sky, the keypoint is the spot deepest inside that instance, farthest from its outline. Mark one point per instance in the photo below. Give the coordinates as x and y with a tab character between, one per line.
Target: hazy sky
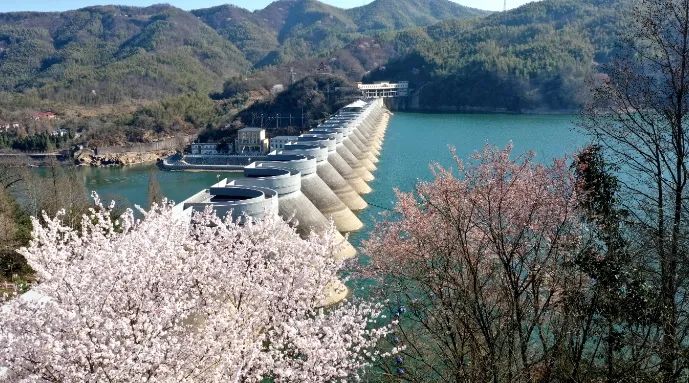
61	5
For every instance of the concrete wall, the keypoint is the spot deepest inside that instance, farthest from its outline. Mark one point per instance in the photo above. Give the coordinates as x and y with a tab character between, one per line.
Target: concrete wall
171	143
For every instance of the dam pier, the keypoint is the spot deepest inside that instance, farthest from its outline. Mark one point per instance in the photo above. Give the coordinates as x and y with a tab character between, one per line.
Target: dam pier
316	178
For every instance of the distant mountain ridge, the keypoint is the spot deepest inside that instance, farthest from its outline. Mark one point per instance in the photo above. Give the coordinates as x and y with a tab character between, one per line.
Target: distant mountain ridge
108	54
297	26
127	74
402	14
533	58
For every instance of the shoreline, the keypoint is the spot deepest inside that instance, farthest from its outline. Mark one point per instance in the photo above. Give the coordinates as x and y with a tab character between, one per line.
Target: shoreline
405	106
488	112
159	158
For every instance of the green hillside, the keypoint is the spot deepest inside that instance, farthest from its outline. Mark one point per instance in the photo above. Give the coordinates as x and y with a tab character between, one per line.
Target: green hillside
287	30
109	54
535	57
113	54
119	74
250	33
318	96
403	14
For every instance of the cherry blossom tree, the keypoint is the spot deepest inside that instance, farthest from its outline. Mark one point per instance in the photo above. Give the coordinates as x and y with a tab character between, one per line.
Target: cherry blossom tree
158	299
480	263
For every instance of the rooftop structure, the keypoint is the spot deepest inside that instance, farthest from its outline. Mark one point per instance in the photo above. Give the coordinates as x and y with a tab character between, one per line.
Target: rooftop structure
384	89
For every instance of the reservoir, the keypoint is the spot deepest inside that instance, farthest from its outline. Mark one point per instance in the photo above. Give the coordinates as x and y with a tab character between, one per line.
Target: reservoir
412	142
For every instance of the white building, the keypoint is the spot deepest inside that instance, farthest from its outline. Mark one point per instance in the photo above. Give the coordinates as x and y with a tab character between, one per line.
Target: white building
279	142
62	132
206	149
384	89
251	140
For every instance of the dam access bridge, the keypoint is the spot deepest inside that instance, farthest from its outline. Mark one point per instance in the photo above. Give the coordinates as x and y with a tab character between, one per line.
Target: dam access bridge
384	89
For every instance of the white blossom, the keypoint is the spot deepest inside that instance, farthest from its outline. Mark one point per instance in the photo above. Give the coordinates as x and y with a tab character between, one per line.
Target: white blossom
159	300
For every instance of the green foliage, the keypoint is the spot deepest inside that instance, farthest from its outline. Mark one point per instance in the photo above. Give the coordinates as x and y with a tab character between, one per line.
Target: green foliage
186	114
289	30
620	298
16	232
232	88
103	55
40	142
316	96
194	110
535	57
111	54
402	14
242	28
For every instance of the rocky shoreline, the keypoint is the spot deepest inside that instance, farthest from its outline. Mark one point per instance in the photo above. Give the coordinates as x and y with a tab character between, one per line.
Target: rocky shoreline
120	159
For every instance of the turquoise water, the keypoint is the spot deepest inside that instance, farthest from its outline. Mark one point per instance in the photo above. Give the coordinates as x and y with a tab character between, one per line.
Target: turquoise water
129	185
412	142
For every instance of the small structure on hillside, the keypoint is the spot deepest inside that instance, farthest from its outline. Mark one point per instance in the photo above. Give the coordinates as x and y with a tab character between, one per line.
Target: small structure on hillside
44	116
323	67
251	140
62	132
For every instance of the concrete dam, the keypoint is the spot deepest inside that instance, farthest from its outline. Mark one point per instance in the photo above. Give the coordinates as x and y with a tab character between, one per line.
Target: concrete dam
317	177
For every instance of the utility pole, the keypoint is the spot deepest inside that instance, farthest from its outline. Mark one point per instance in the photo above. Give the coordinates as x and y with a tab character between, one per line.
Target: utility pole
293	75
505	7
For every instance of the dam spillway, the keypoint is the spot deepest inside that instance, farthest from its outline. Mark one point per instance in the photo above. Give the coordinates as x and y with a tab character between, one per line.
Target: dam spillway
333	177
317	177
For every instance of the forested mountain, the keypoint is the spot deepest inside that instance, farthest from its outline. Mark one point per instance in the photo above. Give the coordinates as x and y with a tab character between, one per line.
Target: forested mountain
535	57
107	54
289	29
134	61
284	30
402	14
110	54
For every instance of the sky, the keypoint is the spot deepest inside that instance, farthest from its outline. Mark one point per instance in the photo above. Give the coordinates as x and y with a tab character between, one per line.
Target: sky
62	5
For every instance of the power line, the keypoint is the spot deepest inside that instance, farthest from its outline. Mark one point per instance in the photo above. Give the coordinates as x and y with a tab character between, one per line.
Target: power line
380	207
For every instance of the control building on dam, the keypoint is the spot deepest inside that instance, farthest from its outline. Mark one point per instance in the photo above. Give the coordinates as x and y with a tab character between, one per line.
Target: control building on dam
315	178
